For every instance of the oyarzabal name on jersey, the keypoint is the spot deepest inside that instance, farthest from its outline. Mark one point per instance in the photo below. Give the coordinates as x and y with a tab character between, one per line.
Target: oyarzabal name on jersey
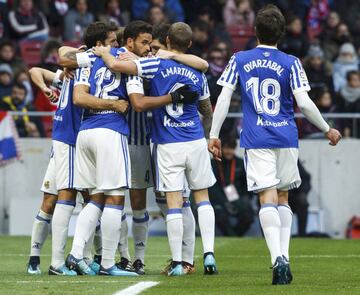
169	123
180	71
262	122
264	63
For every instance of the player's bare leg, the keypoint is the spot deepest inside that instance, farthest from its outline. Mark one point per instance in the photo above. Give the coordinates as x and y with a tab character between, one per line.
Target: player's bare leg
60	225
140	227
40	231
271	226
206	217
174	226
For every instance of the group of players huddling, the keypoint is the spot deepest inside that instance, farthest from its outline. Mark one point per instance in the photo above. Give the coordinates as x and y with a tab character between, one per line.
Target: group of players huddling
102	141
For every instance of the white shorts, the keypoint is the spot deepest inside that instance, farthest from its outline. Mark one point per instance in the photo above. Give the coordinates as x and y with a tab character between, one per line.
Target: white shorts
49	182
102	162
177	162
267	168
141	174
64	157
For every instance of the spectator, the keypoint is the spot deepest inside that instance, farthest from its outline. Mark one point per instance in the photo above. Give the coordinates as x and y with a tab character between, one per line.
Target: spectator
332	22
27	23
229	196
239	13
350	99
6	80
22	77
346	61
50	56
57	11
298	200
173	9
295	41
76	21
200	42
317	13
7	55
318	70
26	126
332	46
217	63
157	15
114	14
4	24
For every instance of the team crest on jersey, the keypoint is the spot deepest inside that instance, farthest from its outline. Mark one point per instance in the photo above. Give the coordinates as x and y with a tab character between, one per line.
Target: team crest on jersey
47	184
86	72
266	53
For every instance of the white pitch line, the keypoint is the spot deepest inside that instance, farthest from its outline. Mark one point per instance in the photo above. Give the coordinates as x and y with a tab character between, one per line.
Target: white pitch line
69	282
137	288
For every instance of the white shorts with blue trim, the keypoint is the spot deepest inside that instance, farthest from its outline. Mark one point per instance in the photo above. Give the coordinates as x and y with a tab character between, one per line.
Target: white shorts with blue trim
49	182
141	174
178	162
272	168
102	162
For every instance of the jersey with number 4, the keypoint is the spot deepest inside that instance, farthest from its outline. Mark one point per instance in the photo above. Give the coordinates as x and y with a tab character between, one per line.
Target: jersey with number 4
268	79
174	122
104	84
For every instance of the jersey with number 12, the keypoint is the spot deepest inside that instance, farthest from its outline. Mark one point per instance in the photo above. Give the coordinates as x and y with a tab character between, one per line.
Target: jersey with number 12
268	79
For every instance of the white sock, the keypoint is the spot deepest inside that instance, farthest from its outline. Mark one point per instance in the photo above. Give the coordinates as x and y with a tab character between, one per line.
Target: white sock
123	243
88	257
59	228
188	244
140	227
161	202
174	225
85	226
270	224
97	239
285	214
40	231
206	218
110	231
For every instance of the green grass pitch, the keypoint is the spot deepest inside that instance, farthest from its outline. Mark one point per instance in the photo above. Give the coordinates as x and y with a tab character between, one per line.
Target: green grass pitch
319	266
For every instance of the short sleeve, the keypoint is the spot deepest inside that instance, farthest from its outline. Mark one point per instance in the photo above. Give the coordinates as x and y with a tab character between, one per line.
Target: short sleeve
298	79
134	84
205	92
82	76
147	67
230	76
85	59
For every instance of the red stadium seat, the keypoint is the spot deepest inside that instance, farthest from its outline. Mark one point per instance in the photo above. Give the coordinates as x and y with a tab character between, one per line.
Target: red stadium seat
240	36
30	52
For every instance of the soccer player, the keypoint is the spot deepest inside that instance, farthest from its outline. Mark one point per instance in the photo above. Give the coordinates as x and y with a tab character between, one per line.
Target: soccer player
268	79
175	128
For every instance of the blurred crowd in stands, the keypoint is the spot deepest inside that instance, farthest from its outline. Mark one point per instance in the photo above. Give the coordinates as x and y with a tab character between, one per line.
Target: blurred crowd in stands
324	34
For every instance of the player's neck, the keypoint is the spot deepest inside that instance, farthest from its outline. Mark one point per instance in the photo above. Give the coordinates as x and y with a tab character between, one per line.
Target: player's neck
266	45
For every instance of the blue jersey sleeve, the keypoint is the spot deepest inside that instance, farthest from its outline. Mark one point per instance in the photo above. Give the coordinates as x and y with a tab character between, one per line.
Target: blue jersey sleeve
134	84
298	79
230	76
85	59
148	67
205	92
82	76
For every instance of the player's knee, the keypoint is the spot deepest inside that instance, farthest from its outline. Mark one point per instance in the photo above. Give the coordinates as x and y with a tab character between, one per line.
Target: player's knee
48	204
115	200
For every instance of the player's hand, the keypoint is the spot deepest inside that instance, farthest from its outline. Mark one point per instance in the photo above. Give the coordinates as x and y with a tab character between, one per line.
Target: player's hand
121	106
334	136
165	54
184	95
70	74
50	94
215	148
82	48
128	56
100	50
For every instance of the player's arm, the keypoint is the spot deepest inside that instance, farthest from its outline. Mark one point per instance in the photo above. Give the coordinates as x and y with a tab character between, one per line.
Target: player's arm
42	78
205	109
114	64
186	59
312	113
72	58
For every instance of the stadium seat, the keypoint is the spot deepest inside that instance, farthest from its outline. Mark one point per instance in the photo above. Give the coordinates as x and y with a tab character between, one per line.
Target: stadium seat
31	52
240	36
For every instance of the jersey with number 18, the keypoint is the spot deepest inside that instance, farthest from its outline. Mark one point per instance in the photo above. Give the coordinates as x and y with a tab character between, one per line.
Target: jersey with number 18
268	78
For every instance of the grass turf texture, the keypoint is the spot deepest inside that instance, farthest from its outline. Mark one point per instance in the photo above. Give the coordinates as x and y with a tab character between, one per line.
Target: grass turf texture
320	266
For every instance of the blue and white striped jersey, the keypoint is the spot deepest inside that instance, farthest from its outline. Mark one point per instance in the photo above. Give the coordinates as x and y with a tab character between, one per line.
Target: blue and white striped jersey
268	78
139	130
174	122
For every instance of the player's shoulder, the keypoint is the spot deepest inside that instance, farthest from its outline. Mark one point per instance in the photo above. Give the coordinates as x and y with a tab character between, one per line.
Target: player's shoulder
116	51
288	59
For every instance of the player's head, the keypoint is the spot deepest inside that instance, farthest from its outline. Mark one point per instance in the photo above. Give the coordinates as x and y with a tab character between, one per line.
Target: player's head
100	33
159	34
120	36
269	25
179	37
138	37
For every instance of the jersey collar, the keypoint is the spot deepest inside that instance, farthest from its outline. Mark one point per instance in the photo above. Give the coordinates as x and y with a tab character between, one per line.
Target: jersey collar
266	46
